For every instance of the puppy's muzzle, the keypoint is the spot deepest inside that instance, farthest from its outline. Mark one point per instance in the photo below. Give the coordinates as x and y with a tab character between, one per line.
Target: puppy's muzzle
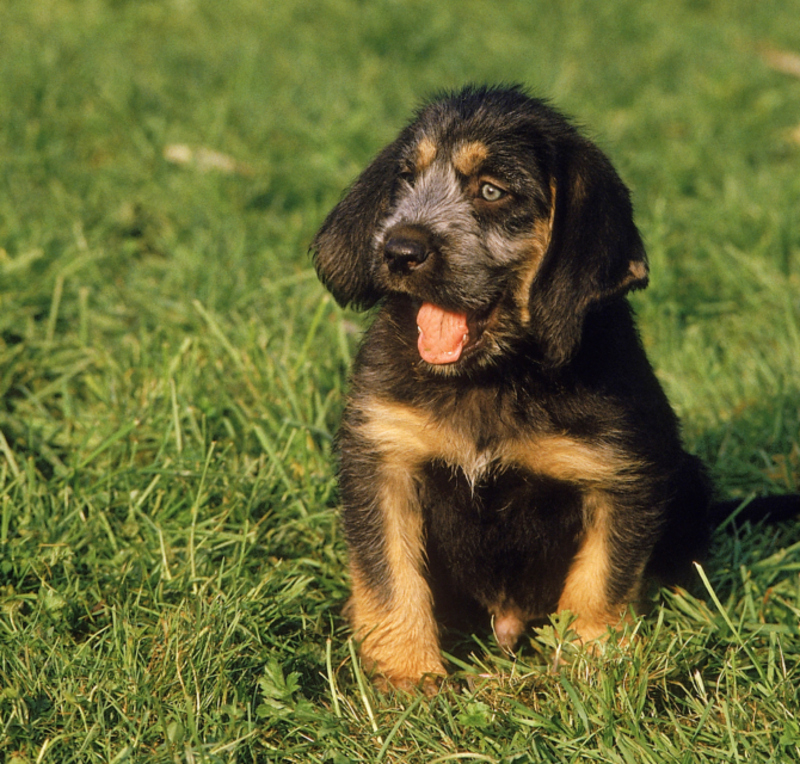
406	248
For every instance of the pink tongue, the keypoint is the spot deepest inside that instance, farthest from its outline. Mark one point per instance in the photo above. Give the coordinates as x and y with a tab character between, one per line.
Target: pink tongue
442	334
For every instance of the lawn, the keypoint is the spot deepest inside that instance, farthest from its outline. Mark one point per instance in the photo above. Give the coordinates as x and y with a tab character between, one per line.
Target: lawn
172	574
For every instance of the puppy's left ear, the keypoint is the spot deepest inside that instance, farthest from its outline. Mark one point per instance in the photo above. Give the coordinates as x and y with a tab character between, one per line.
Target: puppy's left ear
344	249
595	251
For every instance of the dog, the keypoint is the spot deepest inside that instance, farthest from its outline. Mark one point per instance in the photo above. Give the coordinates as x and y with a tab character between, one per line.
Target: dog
505	442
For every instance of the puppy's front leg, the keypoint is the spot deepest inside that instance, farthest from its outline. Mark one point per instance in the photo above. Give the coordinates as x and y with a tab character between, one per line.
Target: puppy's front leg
391	608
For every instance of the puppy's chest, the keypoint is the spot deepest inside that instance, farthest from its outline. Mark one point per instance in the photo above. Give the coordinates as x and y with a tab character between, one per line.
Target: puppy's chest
489	482
507	539
478	449
465	439
474	458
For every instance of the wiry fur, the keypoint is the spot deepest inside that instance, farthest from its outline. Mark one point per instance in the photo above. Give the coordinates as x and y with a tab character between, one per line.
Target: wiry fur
543	470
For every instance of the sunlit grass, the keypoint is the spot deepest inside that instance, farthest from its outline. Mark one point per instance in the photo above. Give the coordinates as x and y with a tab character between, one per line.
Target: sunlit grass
171	571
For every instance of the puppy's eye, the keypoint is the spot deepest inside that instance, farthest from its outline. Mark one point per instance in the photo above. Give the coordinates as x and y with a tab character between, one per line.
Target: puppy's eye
491	193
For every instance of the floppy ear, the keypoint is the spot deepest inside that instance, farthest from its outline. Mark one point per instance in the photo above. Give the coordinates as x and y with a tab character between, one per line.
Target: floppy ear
595	250
343	248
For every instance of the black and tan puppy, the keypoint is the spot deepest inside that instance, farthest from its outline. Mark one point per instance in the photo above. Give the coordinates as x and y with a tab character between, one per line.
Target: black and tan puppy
506	440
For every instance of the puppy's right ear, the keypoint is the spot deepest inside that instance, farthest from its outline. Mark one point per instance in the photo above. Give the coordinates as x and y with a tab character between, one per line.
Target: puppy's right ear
344	248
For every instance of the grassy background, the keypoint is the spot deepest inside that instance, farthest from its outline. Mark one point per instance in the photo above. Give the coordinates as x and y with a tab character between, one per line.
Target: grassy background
171	574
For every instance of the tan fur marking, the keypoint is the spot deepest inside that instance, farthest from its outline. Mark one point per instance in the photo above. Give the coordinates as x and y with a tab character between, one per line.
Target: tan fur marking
468	157
399	640
426	153
410	437
563	458
407	435
584	592
540	241
579	190
637	270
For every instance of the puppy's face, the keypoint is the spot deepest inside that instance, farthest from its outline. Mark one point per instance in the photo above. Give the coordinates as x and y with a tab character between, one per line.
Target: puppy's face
472	213
467	228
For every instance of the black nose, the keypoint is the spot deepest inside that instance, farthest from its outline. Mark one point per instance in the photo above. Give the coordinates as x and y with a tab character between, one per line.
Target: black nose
406	248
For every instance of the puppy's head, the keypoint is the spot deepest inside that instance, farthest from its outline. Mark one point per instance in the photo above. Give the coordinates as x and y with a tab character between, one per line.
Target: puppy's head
497	219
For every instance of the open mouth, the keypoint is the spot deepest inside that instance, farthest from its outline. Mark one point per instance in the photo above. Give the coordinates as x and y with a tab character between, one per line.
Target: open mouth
445	336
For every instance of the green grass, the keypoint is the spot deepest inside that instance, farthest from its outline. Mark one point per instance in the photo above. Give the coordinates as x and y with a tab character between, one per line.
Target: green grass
171	571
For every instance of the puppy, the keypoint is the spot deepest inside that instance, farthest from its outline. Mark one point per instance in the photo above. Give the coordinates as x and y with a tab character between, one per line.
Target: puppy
506	441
